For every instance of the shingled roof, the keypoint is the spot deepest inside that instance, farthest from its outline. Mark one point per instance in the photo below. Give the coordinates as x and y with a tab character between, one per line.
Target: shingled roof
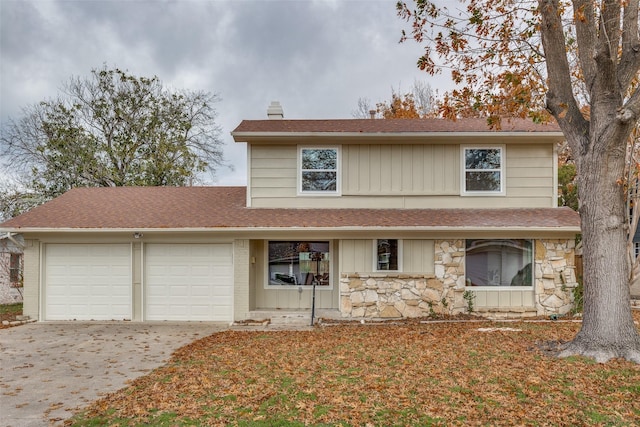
214	208
387	126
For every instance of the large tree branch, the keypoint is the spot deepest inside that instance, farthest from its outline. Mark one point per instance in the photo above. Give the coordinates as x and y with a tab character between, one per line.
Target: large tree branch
607	48
560	99
630	111
630	58
584	18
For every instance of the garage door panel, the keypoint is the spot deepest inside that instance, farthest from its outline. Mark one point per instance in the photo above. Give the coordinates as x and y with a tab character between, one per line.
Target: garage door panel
88	282
76	270
201	291
188	282
179	291
201	271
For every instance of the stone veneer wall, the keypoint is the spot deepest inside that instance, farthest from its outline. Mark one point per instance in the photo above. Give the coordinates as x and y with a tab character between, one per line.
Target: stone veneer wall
397	295
555	275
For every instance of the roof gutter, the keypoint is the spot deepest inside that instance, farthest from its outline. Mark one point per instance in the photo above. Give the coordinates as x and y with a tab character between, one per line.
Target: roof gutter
246	136
570	229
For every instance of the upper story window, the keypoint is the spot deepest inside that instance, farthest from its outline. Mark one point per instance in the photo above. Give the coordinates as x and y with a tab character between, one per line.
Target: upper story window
483	170
387	255
319	170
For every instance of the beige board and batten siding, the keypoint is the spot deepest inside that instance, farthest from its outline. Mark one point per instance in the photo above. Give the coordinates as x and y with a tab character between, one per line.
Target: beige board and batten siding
356	256
503	298
402	176
400	170
273	173
288	297
530	173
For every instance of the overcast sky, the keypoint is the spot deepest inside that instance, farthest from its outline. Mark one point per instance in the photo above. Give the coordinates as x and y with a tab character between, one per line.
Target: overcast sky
316	57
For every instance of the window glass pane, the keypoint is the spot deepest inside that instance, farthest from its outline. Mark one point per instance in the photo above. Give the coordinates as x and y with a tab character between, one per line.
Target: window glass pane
482	181
14	267
319	181
319	170
299	263
482	169
499	262
387	255
322	159
486	158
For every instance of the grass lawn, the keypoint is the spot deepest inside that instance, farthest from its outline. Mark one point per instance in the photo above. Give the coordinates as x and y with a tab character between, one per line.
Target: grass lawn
9	312
413	374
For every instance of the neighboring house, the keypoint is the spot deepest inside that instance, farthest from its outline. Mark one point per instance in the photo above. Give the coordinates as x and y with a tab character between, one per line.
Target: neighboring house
635	284
389	219
10	268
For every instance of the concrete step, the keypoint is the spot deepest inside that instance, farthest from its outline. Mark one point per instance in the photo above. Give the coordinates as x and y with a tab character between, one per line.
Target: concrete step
278	317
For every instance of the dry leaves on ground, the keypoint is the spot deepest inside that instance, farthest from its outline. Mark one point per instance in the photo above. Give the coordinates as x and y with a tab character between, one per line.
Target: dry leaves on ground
412	374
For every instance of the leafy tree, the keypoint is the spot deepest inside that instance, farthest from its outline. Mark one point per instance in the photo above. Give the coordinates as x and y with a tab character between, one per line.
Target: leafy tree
411	105
113	129
577	61
568	191
15	199
400	107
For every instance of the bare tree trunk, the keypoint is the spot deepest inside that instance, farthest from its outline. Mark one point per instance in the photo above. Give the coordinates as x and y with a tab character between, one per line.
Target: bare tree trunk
607	330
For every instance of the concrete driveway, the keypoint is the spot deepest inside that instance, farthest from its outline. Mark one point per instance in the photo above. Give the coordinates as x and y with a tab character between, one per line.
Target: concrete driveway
49	370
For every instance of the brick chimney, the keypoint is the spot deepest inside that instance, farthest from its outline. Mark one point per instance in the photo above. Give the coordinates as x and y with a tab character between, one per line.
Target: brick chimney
275	112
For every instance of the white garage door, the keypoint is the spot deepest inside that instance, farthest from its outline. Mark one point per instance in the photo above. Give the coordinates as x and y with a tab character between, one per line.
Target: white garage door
88	282
189	282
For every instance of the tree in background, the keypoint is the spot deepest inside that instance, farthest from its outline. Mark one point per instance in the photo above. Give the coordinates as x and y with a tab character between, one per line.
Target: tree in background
400	107
577	61
16	199
567	189
111	129
567	186
417	103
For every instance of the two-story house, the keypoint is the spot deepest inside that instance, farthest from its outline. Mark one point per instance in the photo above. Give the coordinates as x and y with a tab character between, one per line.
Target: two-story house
383	218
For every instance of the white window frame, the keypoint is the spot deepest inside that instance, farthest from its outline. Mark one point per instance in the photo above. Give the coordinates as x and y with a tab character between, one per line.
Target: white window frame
375	257
338	189
464	170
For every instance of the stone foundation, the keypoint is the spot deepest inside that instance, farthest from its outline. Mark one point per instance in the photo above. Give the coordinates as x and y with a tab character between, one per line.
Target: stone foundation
555	276
397	295
391	296
410	295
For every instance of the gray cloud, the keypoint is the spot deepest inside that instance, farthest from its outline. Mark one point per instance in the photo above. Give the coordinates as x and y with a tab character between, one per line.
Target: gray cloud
316	57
